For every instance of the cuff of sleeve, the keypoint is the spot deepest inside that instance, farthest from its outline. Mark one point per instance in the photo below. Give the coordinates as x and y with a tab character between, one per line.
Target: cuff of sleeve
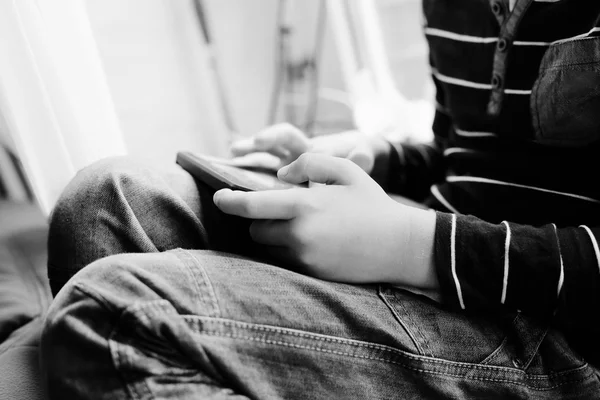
485	266
469	259
443	259
396	177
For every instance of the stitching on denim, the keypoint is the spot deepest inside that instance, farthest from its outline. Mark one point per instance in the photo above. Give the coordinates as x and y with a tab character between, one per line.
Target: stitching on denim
134	308
569	66
136	389
537	347
206	280
114	352
301	334
463	376
425	342
89	292
556	47
373	346
397	317
493	355
183	257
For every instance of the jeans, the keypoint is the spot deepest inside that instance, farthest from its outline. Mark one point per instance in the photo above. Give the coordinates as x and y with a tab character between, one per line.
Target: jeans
159	295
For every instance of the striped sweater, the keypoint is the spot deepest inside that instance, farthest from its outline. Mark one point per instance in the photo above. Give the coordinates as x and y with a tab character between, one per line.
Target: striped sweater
513	167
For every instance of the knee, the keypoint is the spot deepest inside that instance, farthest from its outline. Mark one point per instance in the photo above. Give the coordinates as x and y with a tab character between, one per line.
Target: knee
92	188
77	233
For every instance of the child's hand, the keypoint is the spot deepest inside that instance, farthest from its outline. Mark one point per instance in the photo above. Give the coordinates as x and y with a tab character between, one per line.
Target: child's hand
348	230
287	142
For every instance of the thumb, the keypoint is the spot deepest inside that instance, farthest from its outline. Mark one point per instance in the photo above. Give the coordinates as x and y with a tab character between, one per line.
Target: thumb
320	168
362	156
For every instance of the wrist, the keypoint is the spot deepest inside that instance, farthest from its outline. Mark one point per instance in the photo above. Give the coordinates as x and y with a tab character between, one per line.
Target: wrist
413	263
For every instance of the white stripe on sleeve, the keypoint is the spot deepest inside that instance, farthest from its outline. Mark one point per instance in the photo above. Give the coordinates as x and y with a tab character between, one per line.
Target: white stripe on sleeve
506	262
594	243
472	134
561	278
438	195
453	262
457	178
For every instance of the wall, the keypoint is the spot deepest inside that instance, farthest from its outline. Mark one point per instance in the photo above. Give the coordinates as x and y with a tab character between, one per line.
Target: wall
155	64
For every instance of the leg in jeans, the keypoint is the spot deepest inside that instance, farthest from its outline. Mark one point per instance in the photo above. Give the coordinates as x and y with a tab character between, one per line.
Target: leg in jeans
123	206
206	324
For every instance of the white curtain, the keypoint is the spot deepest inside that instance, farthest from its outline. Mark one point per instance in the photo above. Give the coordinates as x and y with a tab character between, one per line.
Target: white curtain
54	98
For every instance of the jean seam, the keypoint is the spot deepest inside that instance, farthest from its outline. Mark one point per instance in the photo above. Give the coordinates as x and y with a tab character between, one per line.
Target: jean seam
535	351
401	322
215	310
113	346
201	322
425	342
489	358
314	348
137	389
98	298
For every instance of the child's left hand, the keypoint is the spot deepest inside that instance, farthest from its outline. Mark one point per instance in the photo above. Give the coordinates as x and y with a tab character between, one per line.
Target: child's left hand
348	230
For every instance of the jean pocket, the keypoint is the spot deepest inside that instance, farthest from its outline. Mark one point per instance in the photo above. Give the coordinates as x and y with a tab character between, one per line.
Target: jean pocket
566	96
444	334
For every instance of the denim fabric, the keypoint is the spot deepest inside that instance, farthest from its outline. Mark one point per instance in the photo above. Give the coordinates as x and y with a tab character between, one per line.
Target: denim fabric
175	323
565	101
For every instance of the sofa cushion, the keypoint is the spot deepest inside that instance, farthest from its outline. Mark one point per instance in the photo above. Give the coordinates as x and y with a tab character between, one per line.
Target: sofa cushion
24	298
24	293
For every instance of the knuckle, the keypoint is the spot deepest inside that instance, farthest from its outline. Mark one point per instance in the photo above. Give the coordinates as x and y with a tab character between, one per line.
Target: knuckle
305	157
302	238
304	161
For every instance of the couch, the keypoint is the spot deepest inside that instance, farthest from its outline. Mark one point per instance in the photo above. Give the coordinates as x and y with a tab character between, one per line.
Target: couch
24	298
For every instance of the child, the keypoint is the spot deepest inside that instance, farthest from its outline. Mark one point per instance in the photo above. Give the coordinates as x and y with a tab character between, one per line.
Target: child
512	246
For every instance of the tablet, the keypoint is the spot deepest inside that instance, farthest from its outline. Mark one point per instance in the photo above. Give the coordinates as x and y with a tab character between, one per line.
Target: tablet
220	174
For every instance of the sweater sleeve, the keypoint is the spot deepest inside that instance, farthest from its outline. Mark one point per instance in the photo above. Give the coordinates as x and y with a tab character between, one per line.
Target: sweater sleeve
545	272
414	167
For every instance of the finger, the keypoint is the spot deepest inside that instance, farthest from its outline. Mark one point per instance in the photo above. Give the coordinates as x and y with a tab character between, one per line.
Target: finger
271	232
283	136
268	204
362	156
248	146
321	168
243	146
258	160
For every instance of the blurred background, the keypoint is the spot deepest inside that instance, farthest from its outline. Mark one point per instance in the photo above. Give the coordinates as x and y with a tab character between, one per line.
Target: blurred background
81	80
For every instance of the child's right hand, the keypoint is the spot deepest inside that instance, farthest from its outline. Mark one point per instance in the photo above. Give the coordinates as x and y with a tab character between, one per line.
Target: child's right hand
288	142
